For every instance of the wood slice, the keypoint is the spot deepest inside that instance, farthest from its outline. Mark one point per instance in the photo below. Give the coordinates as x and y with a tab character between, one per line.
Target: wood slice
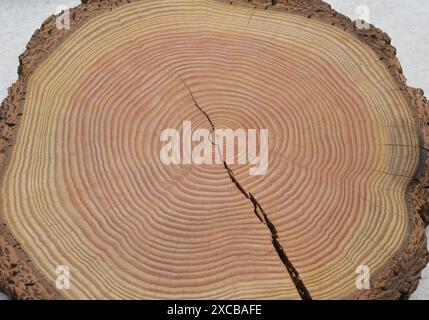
83	186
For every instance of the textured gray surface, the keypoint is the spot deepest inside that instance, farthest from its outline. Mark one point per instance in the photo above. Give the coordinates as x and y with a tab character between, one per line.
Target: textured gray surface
406	22
3	296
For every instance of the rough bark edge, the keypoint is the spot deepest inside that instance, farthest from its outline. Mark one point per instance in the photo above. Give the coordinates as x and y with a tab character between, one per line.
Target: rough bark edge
397	280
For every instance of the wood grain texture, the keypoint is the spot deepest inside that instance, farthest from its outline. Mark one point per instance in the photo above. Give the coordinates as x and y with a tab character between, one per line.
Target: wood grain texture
82	183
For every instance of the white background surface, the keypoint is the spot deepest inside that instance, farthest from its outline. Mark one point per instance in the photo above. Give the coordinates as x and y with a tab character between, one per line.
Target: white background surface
406	22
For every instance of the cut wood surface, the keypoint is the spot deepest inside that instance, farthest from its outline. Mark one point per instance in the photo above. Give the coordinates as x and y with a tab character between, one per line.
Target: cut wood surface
83	186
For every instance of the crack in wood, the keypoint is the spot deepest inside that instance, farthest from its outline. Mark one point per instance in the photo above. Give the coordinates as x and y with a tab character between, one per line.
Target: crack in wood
259	212
262	216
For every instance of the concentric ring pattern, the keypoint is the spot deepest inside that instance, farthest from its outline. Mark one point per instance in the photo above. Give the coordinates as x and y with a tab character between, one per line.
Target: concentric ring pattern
86	187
